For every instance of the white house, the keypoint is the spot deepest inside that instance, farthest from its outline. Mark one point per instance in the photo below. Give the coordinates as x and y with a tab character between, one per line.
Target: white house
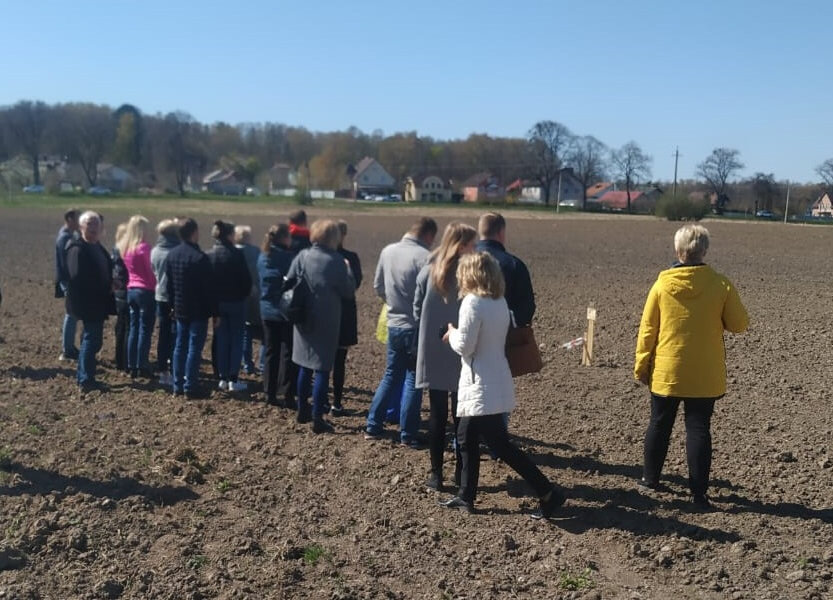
370	177
566	188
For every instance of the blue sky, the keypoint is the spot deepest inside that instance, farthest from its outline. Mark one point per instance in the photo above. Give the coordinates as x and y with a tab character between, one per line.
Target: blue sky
751	75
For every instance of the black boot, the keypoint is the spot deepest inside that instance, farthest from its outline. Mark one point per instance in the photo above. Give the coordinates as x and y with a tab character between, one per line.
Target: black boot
321	426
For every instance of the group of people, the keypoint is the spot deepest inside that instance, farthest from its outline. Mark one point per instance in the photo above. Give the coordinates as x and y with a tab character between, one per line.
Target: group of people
448	313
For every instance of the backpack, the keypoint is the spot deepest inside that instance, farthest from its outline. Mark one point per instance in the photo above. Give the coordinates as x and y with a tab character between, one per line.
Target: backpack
296	298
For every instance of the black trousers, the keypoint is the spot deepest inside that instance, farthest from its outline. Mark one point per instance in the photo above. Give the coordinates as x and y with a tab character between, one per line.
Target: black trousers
338	375
122	327
492	430
280	374
438	400
698	443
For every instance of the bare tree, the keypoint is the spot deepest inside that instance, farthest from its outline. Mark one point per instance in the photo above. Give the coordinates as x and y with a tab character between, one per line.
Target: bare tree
632	165
588	157
26	123
85	133
825	171
181	150
720	166
765	190
548	143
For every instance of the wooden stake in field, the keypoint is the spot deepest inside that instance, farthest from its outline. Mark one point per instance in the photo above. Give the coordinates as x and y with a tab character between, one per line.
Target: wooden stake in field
587	349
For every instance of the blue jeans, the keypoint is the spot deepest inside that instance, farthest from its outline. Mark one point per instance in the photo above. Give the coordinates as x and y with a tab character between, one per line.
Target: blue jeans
90	345
398	382
68	337
167	335
230	339
319	384
142	316
248	362
190	339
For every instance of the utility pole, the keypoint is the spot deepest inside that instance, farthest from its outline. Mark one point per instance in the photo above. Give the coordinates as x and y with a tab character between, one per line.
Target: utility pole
787	209
676	161
558	195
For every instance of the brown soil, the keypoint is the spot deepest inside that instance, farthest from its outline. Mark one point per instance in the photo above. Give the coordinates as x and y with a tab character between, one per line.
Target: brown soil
132	493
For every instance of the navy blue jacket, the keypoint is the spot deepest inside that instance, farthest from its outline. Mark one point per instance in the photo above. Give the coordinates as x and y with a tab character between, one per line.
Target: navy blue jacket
271	269
65	236
519	294
190	283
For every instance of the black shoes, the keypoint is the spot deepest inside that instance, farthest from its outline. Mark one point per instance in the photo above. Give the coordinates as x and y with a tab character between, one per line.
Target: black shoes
701	502
435	482
647	485
337	409
460	504
550	503
321	426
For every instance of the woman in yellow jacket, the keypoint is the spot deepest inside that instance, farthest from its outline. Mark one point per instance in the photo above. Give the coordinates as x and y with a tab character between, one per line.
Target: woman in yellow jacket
680	355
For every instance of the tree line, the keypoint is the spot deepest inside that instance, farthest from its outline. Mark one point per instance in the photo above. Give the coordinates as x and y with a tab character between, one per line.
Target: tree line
164	150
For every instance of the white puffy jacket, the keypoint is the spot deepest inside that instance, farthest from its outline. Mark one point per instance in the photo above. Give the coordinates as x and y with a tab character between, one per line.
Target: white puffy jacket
485	380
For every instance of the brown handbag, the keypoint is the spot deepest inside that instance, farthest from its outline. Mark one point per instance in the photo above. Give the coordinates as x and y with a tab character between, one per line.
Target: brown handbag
522	351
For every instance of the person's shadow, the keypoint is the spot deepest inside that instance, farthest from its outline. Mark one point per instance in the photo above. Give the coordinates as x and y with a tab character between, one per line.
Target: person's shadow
42	374
42	481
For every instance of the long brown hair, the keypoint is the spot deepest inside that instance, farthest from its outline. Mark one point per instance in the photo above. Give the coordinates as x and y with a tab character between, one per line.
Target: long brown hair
444	258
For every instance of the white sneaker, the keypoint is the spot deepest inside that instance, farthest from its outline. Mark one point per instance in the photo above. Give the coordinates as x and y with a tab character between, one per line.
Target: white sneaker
237	386
223	385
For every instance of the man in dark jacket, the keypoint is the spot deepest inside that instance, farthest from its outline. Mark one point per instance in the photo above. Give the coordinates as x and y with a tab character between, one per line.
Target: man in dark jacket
193	297
298	232
89	295
65	235
519	294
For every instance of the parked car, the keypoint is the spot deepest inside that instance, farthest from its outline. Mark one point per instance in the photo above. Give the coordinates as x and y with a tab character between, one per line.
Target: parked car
253	191
568	204
33	189
99	190
765	214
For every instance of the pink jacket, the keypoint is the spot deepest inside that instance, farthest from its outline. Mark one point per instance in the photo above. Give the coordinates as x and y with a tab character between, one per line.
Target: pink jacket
139	269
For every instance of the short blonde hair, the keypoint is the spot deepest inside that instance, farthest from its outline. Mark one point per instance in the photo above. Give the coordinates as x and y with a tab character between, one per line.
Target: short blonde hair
325	232
242	234
691	243
478	273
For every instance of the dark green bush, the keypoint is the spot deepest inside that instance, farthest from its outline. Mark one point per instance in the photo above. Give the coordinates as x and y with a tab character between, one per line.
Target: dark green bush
681	209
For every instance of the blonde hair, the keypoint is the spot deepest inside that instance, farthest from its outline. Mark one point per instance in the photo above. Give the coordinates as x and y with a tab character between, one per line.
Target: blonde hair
325	232
121	230
691	243
168	228
242	234
479	274
137	227
444	259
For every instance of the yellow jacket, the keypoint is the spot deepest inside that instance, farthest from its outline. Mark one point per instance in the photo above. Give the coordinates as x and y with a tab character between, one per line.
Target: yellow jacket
680	343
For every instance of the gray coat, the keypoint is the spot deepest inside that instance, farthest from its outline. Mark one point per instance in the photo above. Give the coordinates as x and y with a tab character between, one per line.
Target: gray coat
316	340
395	279
438	366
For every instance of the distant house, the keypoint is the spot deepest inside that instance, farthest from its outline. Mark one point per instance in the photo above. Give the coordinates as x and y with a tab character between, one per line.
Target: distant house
282	176
224	182
369	177
427	188
566	188
116	178
595	191
482	187
641	201
822	207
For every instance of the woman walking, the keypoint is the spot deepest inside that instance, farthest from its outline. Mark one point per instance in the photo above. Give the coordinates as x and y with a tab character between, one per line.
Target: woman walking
436	303
315	340
168	230
141	286
681	358
233	283
349	329
279	376
485	389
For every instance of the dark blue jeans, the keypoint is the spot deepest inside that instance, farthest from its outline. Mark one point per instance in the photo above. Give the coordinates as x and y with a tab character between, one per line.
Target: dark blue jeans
398	381
190	339
90	345
142	316
318	386
230	339
167	335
